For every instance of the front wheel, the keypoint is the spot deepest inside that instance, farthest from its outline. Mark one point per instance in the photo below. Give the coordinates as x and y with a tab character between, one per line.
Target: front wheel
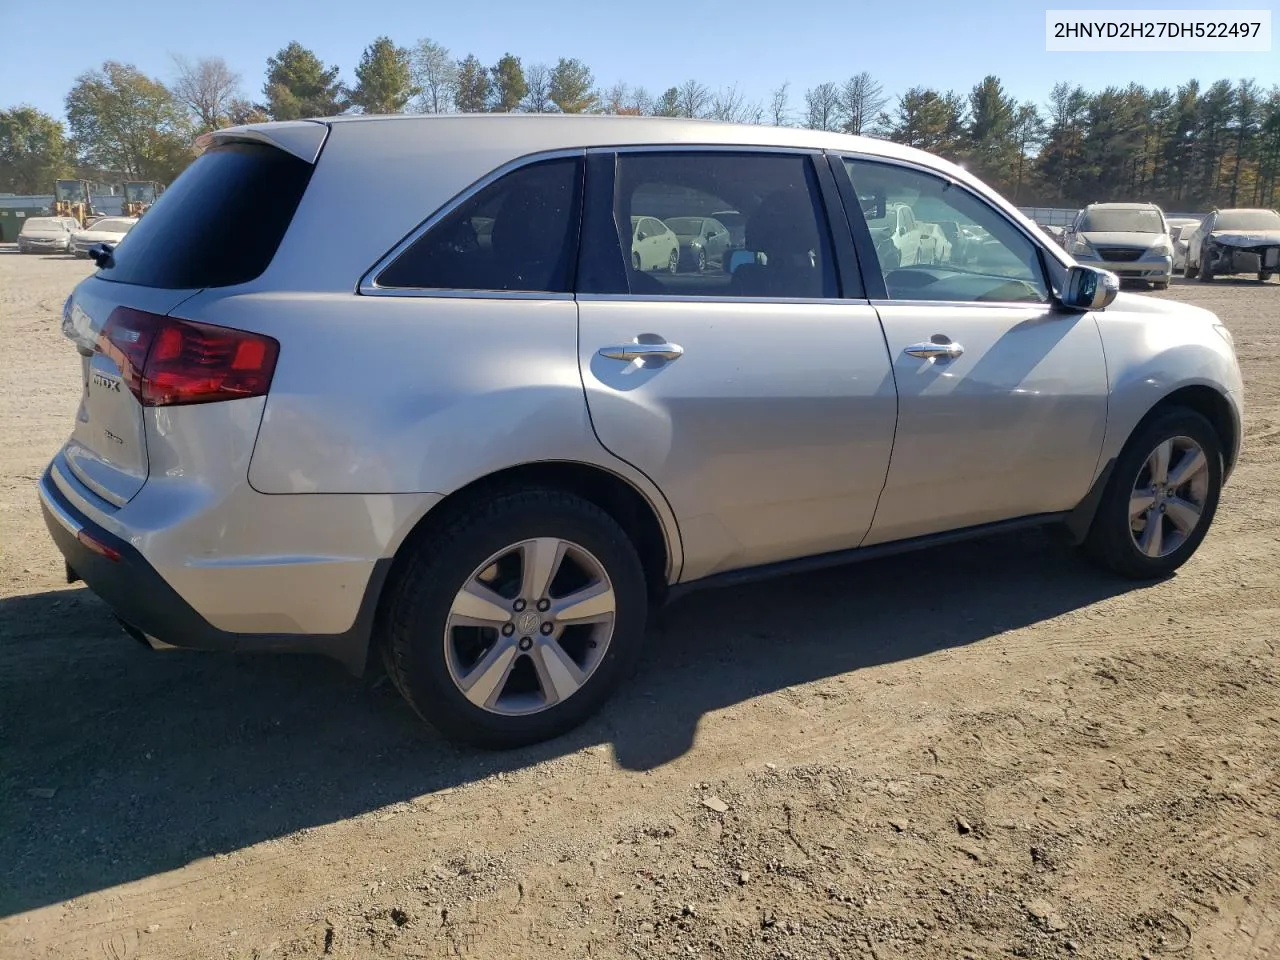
516	625
1264	276
1205	274
673	262
1161	497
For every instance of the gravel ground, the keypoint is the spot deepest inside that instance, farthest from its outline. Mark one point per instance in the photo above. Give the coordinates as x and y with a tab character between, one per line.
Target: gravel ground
1027	759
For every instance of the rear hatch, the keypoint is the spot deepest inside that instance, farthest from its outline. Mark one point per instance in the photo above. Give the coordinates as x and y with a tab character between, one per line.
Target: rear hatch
218	225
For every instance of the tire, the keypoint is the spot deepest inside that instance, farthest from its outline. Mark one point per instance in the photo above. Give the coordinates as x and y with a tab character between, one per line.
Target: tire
673	262
635	262
422	654
1112	541
702	261
1205	274
1264	276
1161	285
1188	272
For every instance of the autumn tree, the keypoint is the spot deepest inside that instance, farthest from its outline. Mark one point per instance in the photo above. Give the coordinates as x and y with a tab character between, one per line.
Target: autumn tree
299	85
572	86
693	100
779	113
33	151
537	99
508	88
207	88
860	102
123	120
822	107
435	76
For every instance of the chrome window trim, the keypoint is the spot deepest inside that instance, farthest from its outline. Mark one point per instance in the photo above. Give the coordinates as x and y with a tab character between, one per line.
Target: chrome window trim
942	175
660	298
369	286
983	304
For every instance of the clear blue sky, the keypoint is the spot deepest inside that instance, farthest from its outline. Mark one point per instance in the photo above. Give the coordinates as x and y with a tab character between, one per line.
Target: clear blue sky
755	43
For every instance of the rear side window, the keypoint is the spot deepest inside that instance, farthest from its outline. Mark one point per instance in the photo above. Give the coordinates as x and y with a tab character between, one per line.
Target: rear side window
519	233
783	249
219	224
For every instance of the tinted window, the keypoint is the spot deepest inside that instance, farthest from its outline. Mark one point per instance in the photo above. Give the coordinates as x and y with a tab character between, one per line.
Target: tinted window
518	233
985	258
220	223
783	251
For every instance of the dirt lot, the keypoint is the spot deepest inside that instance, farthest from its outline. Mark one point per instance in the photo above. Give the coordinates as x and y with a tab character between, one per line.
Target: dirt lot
986	751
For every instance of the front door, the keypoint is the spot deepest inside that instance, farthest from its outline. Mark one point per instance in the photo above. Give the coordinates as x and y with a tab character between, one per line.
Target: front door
757	399
1002	397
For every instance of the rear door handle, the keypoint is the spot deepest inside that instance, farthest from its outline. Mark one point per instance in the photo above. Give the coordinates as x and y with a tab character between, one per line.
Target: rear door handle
639	350
933	349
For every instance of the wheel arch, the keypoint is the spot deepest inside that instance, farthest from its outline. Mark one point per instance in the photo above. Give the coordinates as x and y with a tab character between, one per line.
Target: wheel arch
654	540
1210	402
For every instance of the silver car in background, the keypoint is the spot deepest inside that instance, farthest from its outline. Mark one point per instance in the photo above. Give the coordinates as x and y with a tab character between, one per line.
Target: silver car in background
1235	241
1129	239
46	235
480	464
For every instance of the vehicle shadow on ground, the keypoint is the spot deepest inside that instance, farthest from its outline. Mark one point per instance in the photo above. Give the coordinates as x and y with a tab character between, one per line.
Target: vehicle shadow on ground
120	762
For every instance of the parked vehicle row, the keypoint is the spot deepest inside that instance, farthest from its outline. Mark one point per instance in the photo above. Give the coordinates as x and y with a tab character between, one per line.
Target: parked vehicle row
65	235
483	460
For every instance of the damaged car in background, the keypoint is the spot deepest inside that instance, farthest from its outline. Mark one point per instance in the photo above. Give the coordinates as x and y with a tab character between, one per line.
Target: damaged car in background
1235	241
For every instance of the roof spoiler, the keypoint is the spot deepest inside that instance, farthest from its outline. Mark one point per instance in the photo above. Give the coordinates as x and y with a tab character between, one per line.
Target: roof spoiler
300	138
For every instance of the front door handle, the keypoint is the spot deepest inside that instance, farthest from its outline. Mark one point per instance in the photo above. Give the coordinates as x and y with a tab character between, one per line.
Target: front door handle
645	347
935	349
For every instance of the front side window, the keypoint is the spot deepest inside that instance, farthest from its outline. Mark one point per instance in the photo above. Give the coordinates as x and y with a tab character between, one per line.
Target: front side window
978	256
784	248
517	234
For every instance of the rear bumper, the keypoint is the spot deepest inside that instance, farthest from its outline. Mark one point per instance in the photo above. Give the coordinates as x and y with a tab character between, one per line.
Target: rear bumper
114	570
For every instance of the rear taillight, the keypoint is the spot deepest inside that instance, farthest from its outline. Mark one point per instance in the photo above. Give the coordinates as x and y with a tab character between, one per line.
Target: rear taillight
167	362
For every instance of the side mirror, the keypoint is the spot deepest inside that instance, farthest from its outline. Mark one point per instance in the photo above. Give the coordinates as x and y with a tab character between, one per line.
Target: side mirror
1089	289
100	253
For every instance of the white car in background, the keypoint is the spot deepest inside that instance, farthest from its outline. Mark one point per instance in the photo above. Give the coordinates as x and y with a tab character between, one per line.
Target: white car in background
653	245
46	235
109	230
1180	231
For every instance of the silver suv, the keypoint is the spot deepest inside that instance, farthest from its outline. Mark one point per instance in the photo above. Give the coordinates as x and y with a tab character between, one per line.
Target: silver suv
1129	239
395	388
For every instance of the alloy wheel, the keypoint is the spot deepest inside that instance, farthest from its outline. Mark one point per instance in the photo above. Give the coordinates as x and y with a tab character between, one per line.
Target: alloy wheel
1168	497
530	626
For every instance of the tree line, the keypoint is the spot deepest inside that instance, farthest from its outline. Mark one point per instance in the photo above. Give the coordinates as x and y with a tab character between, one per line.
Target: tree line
1192	147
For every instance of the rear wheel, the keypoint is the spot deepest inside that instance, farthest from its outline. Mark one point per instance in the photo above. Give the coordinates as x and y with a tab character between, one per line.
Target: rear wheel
1161	498
1264	276
516	625
635	261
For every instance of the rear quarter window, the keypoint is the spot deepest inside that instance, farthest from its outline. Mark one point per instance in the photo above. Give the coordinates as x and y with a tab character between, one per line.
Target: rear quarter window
219	224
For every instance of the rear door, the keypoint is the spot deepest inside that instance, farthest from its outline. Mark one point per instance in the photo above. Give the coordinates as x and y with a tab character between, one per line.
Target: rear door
760	401
219	224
